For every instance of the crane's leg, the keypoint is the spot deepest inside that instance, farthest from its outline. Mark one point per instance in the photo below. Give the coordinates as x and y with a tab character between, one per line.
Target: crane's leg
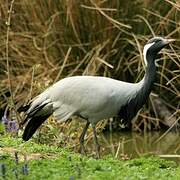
96	141
81	139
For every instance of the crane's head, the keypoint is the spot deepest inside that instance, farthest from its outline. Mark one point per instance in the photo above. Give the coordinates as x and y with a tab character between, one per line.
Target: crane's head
153	46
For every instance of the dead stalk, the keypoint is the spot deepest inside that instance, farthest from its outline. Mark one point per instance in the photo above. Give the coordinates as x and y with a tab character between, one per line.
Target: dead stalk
8	23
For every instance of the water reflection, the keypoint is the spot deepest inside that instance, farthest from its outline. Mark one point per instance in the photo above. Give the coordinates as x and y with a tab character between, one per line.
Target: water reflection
132	144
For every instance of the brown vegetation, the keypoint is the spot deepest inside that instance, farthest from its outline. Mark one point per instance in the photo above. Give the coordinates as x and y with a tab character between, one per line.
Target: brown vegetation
46	40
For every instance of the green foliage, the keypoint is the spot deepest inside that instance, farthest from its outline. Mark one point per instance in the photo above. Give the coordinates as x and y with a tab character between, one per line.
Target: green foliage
63	164
2	129
30	146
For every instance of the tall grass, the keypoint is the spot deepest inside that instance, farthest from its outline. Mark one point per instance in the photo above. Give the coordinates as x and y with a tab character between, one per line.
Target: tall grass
44	41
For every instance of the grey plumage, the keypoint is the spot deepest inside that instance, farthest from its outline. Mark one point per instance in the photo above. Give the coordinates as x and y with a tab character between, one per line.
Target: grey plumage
93	98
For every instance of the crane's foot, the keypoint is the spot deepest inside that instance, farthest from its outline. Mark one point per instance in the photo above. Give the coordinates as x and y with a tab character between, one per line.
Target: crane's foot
97	151
81	139
97	146
82	149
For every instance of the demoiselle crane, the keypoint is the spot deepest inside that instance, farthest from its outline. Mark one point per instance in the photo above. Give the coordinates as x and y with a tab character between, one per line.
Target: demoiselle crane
94	98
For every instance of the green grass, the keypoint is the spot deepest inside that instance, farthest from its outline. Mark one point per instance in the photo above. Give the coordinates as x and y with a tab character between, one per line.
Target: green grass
57	163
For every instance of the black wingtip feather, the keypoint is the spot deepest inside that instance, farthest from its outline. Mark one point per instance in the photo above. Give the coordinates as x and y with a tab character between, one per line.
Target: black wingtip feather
33	124
23	108
31	115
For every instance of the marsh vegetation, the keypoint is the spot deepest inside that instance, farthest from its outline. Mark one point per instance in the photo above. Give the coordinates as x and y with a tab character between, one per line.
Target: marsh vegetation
44	41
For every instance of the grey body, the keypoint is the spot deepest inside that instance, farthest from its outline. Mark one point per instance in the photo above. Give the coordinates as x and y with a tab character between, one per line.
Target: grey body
91	97
94	98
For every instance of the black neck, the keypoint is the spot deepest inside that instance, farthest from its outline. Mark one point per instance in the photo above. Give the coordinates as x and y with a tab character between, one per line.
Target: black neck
150	74
128	111
148	82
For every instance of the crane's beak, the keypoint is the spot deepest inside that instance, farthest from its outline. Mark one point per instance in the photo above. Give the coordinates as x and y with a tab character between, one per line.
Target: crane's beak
167	41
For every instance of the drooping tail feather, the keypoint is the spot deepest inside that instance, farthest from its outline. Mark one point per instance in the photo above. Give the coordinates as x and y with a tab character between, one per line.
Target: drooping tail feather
40	108
33	124
23	108
36	113
33	112
35	118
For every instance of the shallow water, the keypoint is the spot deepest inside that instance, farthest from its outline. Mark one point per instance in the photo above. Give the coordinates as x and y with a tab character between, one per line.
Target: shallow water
131	144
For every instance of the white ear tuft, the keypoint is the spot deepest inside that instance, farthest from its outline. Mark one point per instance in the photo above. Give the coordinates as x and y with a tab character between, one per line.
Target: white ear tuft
146	47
